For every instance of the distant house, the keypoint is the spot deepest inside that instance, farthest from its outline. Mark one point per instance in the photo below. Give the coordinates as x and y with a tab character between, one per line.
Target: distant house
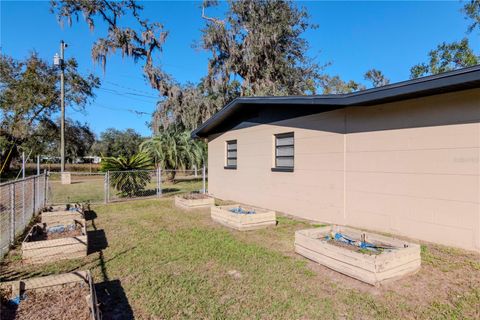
89	159
403	158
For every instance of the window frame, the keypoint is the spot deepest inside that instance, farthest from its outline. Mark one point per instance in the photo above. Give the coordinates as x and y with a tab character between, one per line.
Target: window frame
227	143
276	167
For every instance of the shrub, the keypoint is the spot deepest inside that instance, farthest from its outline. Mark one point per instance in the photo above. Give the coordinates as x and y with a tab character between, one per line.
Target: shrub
128	175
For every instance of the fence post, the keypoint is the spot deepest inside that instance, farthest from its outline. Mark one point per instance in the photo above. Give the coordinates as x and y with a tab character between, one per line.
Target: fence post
105	186
204	189
159	182
23	202
37	194
45	191
34	196
12	213
195	168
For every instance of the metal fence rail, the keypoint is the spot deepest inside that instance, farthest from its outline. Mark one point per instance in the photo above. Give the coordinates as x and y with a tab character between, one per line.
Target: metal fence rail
84	187
20	200
113	186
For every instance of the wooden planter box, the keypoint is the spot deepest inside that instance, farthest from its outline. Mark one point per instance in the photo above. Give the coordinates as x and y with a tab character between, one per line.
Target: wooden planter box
183	203
56	282
80	207
262	218
56	249
60	217
370	268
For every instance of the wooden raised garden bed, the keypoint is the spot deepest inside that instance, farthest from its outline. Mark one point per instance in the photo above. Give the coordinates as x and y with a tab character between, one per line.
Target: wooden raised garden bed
368	257
194	201
69	296
243	218
79	207
51	243
60	217
64	214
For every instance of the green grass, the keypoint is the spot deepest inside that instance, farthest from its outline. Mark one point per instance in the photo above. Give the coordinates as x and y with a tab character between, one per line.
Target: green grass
175	264
91	188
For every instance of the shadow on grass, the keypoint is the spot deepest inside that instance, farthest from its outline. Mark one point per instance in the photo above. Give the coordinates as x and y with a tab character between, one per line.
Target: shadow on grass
170	190
90	215
146	193
110	293
113	300
97	241
181	179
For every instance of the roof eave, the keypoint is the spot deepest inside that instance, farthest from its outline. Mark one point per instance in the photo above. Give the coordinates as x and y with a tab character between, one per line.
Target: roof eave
442	83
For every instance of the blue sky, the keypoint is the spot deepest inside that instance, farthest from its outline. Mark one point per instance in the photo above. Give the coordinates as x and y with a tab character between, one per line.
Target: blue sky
353	36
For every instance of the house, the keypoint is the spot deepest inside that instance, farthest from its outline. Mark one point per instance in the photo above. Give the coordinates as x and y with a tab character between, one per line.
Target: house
401	159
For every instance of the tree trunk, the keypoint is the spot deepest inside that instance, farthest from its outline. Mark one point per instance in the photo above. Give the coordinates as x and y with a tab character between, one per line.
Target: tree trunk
6	159
172	176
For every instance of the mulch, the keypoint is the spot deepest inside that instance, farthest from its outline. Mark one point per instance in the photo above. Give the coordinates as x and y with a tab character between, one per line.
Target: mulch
64	302
66	234
57	235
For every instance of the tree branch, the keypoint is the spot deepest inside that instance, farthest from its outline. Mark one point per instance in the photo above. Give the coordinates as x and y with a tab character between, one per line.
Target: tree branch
211	19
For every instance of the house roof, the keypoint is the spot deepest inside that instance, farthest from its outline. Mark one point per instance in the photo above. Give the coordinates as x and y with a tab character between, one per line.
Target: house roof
457	80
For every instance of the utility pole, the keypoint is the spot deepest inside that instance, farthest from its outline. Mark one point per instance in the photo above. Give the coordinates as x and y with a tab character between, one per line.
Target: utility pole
60	61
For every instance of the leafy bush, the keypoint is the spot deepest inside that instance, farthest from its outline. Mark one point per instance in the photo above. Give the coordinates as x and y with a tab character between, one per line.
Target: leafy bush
128	175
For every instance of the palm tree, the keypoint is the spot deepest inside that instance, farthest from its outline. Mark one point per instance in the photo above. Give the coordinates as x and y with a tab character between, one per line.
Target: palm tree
173	149
135	180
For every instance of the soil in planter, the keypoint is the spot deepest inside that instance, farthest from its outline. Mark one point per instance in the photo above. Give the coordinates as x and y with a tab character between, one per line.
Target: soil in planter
66	302
370	248
353	248
195	196
67	233
240	210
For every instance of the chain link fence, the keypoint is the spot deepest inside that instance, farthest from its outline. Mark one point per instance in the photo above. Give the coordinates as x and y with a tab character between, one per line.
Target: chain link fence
84	187
116	186
20	200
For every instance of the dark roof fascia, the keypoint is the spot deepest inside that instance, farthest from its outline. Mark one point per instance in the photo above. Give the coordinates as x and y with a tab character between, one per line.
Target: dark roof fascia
442	83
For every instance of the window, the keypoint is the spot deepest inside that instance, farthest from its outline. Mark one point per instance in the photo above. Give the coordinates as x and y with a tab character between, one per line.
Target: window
231	162
284	152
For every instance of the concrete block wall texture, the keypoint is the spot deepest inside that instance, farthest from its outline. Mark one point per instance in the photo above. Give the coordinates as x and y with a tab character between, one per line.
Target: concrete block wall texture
410	168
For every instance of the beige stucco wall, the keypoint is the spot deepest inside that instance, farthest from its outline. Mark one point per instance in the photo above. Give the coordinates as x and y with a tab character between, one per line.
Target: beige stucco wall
409	168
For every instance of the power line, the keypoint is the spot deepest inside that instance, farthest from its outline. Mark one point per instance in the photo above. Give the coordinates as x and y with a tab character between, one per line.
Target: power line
131	110
140	93
124	95
129	88
130	93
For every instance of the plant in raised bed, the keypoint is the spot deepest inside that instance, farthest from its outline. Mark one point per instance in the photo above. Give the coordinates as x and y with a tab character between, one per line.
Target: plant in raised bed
368	257
66	296
194	200
243	217
50	243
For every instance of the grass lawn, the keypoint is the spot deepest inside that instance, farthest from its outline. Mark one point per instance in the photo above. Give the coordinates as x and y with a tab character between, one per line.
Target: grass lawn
160	262
91	188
